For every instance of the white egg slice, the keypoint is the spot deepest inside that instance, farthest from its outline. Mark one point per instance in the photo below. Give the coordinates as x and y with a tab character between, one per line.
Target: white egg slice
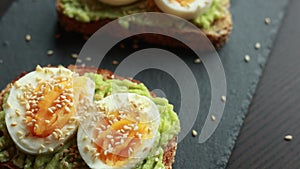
41	108
120	133
117	2
187	9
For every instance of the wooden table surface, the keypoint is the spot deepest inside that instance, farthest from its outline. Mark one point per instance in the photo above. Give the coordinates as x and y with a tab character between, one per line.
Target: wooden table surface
275	109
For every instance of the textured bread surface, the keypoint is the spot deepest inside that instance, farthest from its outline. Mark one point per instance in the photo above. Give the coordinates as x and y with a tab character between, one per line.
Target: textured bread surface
218	33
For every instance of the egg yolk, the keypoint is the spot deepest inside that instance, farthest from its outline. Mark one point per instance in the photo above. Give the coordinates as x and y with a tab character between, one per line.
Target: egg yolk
118	135
49	106
183	3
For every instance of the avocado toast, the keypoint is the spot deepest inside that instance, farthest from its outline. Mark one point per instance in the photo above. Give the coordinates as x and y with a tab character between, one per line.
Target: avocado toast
88	16
67	156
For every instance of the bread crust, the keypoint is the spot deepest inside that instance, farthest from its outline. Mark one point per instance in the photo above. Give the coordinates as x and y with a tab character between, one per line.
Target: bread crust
169	150
218	34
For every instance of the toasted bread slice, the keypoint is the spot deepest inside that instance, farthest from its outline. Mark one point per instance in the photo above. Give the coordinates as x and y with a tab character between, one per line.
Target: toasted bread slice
218	34
169	151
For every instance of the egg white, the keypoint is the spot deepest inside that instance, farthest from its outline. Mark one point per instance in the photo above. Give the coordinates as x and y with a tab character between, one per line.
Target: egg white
120	101
117	2
190	11
31	144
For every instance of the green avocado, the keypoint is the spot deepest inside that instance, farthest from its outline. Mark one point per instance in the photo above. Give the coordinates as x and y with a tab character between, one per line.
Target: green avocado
93	10
68	157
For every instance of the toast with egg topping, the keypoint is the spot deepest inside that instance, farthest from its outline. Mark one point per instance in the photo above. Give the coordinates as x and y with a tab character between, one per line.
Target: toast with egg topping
86	17
68	155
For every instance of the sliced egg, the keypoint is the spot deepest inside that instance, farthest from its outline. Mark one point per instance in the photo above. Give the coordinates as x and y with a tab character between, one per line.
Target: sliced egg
117	2
42	106
187	9
120	133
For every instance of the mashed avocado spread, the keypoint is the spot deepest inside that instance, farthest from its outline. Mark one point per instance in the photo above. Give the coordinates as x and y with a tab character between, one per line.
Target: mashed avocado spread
93	10
68	157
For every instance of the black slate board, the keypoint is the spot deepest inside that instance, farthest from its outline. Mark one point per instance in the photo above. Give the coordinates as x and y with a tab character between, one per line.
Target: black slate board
38	18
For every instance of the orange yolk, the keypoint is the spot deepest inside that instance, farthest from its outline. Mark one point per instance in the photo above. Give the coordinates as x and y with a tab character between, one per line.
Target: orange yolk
116	141
50	107
184	2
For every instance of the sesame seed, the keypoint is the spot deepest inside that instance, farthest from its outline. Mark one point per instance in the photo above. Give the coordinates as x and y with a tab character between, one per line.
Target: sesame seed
156	159
223	98
97	154
127	127
34	105
136	127
20	133
70	128
50	110
247	58
88	58
39	68
42	146
115	62
139	136
109	136
79	61
74	55
47	121
28	113
288	137
27	106
257	45
213	118
27	37
267	21
17	85
130	150
18	112
58	131
55	135
85	138
21	137
8	105
50	52
197	60
194	133
67	109
50	149
36	126
13	124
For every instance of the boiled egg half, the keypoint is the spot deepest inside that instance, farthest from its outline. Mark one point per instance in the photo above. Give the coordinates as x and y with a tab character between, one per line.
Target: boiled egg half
187	9
120	133
117	2
41	108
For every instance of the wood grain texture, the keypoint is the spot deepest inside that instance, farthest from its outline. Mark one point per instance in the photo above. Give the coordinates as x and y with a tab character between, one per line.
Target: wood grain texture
274	112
